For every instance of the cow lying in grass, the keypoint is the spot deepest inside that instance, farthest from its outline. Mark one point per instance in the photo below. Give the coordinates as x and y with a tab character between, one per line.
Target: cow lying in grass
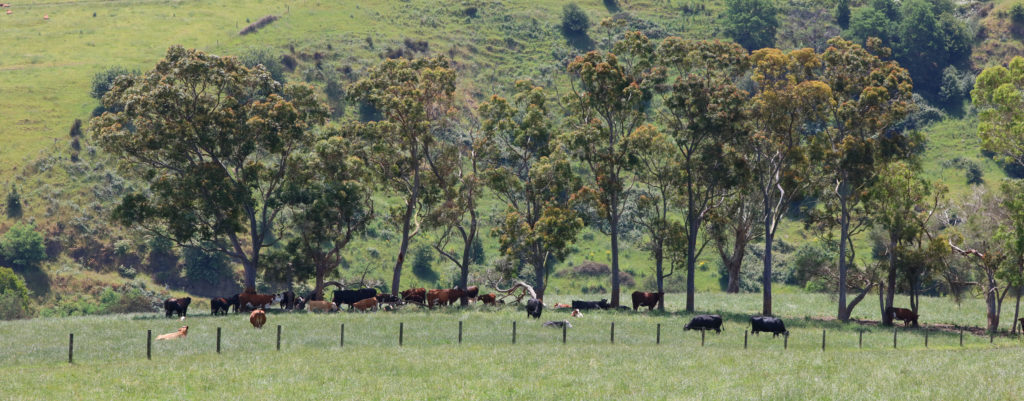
182	332
322	306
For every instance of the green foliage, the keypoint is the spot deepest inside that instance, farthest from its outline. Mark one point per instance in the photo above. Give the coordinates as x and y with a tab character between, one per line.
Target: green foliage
843	14
206	271
574	20
999	100
1017	14
104	80
22	246
751	23
265	57
478	256
14	296
216	176
868	22
13	204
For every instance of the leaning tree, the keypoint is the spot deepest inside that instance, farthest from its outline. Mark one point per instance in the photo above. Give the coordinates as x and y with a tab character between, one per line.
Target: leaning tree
215	142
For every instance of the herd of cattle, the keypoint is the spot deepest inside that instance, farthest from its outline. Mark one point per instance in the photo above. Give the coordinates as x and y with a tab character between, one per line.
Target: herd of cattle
367	299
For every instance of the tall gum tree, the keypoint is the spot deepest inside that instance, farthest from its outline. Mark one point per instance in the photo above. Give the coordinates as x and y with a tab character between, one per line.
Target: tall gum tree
526	170
706	115
788	98
215	141
999	97
414	98
869	97
607	103
331	203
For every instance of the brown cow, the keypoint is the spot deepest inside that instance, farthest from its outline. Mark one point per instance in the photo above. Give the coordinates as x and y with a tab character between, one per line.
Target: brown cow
648	299
249	299
366	304
322	306
454	295
418	295
488	299
258	318
438	296
906	315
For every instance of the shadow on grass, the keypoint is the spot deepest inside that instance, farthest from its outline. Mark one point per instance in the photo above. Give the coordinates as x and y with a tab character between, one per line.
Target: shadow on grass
36	280
580	41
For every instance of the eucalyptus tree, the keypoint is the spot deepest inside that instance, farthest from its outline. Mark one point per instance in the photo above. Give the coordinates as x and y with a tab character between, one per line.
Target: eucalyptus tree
788	98
999	97
415	99
331	203
528	172
607	102
868	98
705	113
216	142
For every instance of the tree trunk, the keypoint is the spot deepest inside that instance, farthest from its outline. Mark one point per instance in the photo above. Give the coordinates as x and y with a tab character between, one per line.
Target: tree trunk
881	301
766	278
890	289
615	260
410	211
844	233
734	263
249	267
691	257
1016	312
659	260
539	270
992	304
318	291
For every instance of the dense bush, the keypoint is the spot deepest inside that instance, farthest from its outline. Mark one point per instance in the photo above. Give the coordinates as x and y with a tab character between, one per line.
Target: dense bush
22	246
14	300
751	23
268	60
574	20
13	204
207	273
1017	14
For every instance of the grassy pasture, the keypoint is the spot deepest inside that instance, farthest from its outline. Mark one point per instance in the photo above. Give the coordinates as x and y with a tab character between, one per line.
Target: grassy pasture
110	357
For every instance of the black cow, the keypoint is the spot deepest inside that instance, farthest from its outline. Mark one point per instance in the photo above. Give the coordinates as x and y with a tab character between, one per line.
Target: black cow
177	305
534	307
349	297
705	322
584	305
219	306
288	300
388	299
233	302
768	324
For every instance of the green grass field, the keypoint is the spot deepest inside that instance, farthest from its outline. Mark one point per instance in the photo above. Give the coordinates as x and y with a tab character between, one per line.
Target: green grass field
110	357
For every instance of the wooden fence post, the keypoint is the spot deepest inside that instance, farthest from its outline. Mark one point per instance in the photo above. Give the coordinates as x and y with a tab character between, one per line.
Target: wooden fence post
613	332
563	334
657	339
785	341
71	348
218	340
341	342
401	332
894	331
278	337
822	340
701	337
926	338
513	332
744	339
961	336
860	339
149	344
460	332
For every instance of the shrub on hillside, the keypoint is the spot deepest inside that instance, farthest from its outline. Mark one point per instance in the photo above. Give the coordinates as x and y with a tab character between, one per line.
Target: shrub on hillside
207	273
14	300
422	259
22	246
1017	14
574	20
255	26
13	205
268	60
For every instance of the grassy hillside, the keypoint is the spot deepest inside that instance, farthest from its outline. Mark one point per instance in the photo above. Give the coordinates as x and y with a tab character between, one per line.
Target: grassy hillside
47	65
110	357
